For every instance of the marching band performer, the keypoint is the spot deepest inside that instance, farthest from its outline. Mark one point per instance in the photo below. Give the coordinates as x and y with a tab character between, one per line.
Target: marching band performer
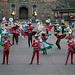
6	48
71	45
17	23
55	25
48	26
59	37
30	36
16	32
10	23
3	23
39	25
35	45
23	24
30	26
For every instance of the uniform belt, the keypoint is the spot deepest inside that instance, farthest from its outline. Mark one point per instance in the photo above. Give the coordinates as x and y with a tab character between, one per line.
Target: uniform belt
71	48
36	48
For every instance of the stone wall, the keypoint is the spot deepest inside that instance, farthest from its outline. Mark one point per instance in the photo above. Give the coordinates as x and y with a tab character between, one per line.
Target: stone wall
43	8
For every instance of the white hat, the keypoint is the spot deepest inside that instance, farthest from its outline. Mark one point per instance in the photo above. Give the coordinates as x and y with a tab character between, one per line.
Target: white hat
57	24
16	23
47	21
43	32
29	23
11	19
62	21
3	18
38	23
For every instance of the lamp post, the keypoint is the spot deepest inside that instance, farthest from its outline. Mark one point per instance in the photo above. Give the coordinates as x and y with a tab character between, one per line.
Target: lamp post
48	16
35	14
13	14
56	16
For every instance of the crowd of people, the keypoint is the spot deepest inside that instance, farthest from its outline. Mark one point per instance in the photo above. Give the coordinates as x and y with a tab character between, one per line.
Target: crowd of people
40	43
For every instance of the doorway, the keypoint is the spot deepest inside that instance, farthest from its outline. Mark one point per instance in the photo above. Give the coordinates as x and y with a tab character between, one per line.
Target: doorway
23	13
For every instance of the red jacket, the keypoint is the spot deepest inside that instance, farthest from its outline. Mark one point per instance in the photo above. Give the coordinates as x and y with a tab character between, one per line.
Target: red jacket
35	44
70	44
6	43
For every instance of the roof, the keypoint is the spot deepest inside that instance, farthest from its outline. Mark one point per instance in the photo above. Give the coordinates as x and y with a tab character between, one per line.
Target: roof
64	10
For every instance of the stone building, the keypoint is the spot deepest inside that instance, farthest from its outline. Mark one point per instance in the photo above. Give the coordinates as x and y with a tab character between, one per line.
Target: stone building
65	9
24	9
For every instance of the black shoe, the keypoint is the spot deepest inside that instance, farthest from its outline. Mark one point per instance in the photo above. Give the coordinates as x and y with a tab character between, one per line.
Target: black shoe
16	43
12	43
59	48
43	52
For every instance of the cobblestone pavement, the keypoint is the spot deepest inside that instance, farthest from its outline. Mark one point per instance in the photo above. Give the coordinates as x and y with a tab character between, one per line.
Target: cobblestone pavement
50	64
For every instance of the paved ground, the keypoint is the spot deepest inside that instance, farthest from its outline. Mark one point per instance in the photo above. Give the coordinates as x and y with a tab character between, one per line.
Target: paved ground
50	64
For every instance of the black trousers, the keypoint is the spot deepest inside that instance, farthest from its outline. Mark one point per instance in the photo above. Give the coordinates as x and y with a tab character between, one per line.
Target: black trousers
46	31
74	51
55	29
29	40
62	31
44	52
58	44
15	36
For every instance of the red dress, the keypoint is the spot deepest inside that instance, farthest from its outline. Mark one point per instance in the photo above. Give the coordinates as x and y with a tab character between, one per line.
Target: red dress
6	53
44	38
70	50
35	45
